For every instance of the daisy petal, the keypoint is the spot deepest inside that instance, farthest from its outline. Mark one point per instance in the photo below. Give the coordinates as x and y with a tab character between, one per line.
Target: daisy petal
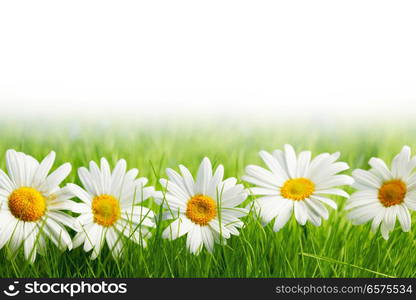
204	176
283	217
300	211
194	239
381	167
43	169
404	218
291	160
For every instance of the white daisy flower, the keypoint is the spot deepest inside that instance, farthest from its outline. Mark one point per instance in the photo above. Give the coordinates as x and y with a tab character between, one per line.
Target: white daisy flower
32	204
296	184
109	207
385	194
204	209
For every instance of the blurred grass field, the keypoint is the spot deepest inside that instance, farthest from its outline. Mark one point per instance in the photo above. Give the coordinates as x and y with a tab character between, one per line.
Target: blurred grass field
336	249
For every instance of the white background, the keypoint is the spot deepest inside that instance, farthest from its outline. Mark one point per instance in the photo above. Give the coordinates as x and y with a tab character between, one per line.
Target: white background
197	58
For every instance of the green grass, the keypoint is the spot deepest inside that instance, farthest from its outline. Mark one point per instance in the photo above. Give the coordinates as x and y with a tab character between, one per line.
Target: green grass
335	249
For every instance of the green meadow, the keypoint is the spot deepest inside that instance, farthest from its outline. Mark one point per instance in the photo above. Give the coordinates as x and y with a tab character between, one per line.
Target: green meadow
335	249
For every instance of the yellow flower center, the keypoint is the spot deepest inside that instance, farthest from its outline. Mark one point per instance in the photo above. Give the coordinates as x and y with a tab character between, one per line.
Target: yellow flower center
201	209
392	192
106	210
297	189
27	204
